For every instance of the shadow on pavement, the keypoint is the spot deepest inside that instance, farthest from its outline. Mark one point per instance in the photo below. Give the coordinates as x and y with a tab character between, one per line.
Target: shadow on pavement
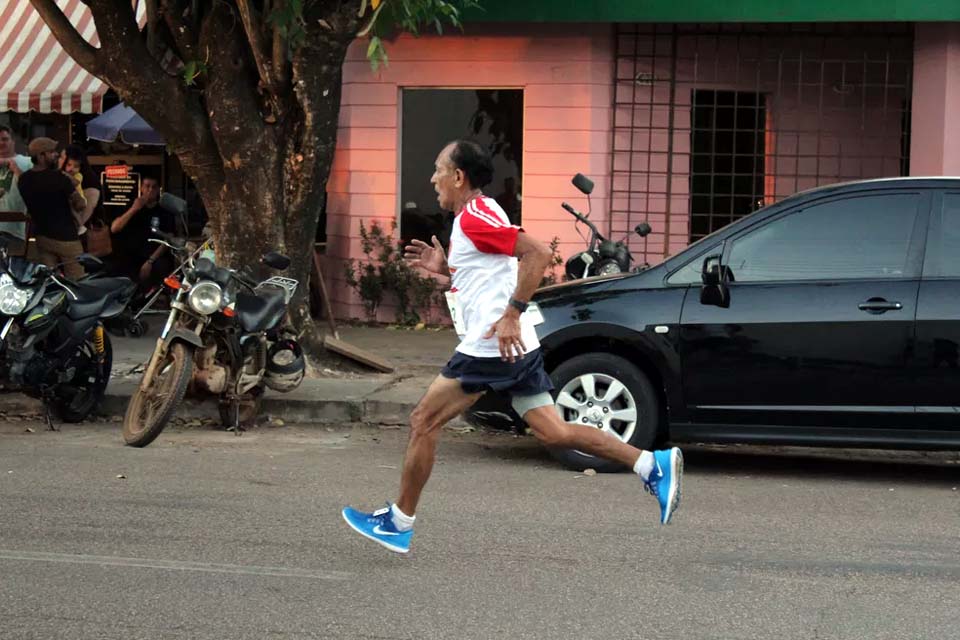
868	465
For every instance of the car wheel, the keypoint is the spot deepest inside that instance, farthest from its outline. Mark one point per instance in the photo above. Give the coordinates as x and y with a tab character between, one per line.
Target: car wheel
607	392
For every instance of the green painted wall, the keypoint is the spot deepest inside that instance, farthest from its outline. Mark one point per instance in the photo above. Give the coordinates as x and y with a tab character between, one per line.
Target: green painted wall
715	10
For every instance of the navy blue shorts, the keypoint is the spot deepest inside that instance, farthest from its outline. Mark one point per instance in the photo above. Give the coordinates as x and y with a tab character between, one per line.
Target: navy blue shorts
525	377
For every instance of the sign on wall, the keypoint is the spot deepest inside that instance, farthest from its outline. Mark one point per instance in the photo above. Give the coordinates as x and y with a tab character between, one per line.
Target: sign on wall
119	185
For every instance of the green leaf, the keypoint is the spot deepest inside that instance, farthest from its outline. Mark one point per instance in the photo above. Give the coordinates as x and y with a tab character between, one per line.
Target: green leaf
372	47
190	72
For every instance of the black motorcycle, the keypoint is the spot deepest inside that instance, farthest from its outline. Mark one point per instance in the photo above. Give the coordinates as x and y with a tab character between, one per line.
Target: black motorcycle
53	345
602	256
225	334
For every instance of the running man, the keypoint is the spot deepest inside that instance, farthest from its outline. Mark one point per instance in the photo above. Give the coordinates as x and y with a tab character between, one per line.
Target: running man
495	268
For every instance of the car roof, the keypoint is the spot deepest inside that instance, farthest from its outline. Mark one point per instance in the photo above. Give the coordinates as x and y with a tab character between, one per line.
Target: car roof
938	181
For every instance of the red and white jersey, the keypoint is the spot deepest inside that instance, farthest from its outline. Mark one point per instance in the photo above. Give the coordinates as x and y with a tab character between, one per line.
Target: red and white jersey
484	275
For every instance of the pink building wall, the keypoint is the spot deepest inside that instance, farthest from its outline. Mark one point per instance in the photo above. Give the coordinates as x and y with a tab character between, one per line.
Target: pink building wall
935	134
565	72
834	108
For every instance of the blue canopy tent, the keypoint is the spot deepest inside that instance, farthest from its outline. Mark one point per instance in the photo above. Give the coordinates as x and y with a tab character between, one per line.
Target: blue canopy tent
123	122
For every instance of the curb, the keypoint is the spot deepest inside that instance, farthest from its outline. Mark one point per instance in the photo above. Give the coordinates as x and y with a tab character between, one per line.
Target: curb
291	411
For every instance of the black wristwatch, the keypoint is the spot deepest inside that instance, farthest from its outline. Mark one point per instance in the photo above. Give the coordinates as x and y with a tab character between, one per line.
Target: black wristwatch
519	306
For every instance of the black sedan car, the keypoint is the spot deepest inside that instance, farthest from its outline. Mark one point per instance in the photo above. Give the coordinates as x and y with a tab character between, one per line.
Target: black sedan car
829	318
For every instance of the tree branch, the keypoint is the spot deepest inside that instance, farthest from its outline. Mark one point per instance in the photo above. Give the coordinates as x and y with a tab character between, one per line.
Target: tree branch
162	100
184	38
279	52
68	37
252	27
153	21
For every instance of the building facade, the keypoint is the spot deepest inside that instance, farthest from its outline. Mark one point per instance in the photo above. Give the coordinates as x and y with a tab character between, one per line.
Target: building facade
685	117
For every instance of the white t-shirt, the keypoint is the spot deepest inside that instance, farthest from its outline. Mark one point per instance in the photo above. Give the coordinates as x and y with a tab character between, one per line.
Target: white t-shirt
484	275
11	200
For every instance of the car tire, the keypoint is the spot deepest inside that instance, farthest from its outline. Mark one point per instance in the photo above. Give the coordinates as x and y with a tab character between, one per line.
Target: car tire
637	393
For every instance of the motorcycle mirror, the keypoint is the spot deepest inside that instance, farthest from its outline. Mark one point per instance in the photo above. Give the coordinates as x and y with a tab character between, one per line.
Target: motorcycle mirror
583	183
89	262
643	229
276	260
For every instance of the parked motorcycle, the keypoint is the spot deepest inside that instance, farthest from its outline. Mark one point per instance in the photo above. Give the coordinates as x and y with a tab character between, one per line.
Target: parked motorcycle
225	333
53	345
602	256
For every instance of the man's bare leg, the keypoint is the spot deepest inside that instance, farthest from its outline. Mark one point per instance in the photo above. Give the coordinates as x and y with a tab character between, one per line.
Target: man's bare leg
549	428
547	425
444	401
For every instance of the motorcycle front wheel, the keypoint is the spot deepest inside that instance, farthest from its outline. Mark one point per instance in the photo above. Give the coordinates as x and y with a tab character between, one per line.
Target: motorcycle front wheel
80	397
149	412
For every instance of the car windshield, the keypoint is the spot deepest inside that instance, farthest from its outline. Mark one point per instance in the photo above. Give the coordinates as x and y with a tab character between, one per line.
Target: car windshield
694	246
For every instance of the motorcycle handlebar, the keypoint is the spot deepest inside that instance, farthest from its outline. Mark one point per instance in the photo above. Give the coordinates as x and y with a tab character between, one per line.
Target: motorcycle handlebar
249	284
177	243
576	214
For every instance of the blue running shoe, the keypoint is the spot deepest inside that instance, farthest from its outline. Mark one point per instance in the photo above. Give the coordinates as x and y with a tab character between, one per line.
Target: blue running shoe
664	481
379	527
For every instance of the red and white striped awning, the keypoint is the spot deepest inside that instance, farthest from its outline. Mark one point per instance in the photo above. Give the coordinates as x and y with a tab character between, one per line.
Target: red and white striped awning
36	74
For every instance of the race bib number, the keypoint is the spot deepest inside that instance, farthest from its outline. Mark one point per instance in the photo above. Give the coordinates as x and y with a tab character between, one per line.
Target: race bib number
456	313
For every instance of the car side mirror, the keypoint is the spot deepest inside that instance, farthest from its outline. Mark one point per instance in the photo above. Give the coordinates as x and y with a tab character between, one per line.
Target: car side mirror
276	260
715	276
710	271
715	296
583	183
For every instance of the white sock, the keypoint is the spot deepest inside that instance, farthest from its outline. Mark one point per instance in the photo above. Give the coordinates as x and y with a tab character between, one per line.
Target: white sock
402	521
644	465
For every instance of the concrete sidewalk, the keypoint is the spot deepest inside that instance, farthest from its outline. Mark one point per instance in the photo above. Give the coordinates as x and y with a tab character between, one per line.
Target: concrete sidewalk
411	351
336	397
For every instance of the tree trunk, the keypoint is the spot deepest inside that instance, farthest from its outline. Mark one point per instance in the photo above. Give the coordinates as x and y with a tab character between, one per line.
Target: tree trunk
259	153
317	77
269	194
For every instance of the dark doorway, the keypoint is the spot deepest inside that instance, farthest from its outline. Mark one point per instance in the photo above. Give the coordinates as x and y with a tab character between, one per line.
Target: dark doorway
434	117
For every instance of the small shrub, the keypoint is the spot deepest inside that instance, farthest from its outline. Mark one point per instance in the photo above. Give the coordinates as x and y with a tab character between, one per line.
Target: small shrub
384	272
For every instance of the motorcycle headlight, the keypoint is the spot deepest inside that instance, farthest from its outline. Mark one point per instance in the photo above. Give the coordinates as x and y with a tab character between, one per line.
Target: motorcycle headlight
13	299
608	268
205	298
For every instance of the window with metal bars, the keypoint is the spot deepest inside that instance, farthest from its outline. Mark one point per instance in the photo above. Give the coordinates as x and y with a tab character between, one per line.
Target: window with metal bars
713	121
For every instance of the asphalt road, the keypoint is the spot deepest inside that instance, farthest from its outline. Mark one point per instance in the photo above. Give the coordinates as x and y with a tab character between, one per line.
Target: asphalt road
208	535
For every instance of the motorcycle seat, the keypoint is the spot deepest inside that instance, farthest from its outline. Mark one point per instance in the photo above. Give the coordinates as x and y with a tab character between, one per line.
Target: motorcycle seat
261	311
95	294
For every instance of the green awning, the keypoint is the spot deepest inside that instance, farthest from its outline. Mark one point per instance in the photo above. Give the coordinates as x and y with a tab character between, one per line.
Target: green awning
715	11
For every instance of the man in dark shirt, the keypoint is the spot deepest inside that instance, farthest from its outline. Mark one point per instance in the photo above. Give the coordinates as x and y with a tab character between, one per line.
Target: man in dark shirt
52	201
133	253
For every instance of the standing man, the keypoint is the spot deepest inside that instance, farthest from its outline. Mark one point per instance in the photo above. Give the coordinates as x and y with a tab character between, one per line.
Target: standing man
11	166
134	255
53	203
498	349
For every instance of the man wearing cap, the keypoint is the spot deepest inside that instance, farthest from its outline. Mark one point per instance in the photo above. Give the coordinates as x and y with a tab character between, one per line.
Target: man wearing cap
52	200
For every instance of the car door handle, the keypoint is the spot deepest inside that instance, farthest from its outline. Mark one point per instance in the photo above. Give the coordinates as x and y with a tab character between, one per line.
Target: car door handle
879	305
